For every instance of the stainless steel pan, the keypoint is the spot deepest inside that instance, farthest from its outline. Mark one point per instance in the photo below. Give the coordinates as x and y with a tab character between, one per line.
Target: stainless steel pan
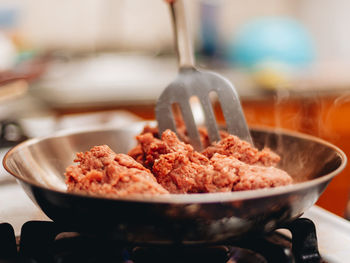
39	165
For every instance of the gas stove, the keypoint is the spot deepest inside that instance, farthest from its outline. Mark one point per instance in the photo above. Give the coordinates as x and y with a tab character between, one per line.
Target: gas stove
27	235
44	241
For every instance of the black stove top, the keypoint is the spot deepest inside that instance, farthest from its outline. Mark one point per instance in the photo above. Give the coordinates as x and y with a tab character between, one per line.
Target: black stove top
46	242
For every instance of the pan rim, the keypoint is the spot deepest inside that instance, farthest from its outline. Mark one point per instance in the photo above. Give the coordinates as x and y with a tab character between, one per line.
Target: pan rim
184	199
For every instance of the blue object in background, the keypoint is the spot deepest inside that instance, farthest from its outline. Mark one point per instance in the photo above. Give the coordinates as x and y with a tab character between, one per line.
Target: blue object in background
209	15
8	17
273	39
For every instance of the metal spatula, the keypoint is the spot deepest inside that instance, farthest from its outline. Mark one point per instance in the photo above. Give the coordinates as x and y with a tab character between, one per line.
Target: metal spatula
192	82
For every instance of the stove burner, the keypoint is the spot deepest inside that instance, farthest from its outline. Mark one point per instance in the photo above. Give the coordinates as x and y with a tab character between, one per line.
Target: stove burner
7	242
45	242
239	255
180	254
305	248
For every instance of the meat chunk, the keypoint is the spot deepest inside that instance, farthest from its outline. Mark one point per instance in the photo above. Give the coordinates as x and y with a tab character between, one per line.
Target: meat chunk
137	152
101	171
228	165
180	169
151	148
251	176
142	157
243	151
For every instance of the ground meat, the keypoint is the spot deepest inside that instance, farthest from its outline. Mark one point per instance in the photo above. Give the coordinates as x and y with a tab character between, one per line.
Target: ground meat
251	176
101	171
143	157
243	151
169	165
180	169
137	152
151	148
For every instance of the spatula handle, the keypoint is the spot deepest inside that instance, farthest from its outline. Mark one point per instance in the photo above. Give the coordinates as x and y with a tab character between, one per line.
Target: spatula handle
182	37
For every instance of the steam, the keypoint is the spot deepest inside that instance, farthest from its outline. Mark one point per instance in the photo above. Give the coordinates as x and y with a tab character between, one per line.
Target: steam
311	112
298	114
281	96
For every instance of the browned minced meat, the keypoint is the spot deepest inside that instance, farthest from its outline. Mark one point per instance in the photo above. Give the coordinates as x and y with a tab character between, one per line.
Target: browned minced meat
139	155
180	169
228	165
252	176
243	151
137	152
101	171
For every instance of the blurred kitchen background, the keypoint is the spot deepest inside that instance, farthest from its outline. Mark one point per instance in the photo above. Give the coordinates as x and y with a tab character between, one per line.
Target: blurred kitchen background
66	64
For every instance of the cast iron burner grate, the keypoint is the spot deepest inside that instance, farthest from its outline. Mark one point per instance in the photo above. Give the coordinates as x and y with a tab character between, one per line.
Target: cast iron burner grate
42	241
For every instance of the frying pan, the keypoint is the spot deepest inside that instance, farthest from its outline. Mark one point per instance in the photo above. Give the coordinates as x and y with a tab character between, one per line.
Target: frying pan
39	165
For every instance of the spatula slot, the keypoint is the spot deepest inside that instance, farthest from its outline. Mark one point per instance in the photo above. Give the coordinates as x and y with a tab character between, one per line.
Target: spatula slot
214	101
197	110
176	111
190	123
